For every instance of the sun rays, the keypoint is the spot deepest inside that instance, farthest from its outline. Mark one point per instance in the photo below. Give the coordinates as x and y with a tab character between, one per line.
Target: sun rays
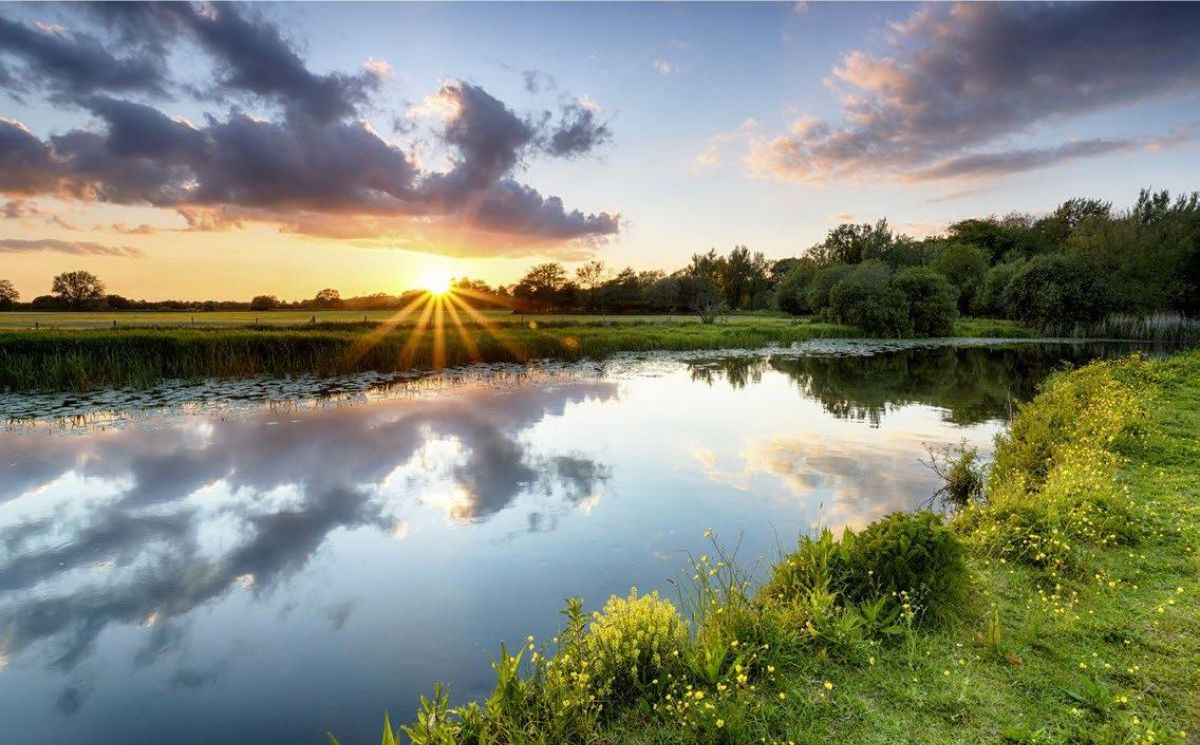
440	307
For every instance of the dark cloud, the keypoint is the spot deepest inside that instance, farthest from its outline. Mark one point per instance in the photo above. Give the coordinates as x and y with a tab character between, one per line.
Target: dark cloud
73	63
27	165
313	169
80	248
1013	161
253	56
578	132
971	75
537	81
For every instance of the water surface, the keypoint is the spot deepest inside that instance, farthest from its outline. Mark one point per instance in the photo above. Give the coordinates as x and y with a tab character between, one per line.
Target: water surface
202	572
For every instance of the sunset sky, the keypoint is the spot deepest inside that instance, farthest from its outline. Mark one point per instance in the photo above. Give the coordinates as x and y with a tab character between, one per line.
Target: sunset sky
195	151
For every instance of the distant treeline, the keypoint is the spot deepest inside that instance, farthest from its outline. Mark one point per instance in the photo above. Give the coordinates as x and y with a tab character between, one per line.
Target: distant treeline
1074	267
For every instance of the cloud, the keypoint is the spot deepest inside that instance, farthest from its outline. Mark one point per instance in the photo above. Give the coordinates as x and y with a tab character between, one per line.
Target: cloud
314	165
578	131
73	63
81	248
665	68
964	79
1004	162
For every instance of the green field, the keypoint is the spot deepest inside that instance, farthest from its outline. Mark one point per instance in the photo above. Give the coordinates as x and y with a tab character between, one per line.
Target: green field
1066	601
184	319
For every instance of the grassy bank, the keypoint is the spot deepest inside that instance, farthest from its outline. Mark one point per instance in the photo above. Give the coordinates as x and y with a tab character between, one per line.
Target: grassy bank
1058	607
82	359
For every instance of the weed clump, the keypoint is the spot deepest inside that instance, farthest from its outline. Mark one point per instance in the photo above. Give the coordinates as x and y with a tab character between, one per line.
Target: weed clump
634	646
912	560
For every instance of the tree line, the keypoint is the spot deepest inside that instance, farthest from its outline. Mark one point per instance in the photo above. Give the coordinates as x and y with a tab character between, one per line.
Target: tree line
1075	265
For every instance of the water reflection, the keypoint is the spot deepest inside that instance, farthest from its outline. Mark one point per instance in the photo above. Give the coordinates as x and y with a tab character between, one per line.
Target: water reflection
329	561
972	384
177	514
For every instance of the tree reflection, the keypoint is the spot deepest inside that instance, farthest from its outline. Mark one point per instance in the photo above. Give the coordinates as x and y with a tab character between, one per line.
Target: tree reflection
972	384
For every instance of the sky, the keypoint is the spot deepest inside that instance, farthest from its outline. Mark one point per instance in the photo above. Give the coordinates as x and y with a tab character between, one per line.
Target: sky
222	151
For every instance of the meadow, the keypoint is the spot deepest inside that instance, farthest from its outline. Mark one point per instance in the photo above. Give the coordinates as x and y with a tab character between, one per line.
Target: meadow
83	358
1056	605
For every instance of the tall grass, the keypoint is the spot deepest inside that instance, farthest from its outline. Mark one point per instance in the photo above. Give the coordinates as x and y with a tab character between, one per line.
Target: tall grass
1158	327
81	360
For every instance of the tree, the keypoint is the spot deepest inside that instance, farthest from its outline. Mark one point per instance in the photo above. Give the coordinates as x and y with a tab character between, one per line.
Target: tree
791	294
79	290
1054	292
542	284
989	301
591	277
8	294
964	265
865	298
742	276
932	301
328	298
699	285
264	302
822	283
853	244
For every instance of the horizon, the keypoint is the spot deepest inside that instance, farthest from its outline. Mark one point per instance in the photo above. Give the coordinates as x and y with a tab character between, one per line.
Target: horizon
220	152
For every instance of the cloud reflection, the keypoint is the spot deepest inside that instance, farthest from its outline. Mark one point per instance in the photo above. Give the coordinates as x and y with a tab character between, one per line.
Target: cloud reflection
139	526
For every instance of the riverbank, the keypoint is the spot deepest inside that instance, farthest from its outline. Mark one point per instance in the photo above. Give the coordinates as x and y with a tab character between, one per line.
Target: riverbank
85	359
1061	608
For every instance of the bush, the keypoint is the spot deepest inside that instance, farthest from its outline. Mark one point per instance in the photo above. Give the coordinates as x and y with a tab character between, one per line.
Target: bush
990	300
911	555
931	301
634	646
1053	488
866	299
964	266
822	284
1054	293
791	296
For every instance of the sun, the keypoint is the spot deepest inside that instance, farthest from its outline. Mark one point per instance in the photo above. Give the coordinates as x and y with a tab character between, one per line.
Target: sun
436	282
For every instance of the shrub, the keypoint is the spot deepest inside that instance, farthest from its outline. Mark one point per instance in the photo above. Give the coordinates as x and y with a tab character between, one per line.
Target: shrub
865	299
964	266
962	476
822	284
1053	489
1054	293
931	301
791	296
990	299
912	558
911	555
634	646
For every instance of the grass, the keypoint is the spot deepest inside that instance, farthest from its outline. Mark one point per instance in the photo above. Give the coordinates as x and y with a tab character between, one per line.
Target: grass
1081	624
84	359
1165	327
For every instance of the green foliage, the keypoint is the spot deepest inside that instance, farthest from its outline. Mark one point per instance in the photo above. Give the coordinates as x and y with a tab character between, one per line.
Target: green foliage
964	266
931	300
912	559
1054	293
634	646
990	300
822	285
961	474
865	298
791	295
1053	490
913	556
